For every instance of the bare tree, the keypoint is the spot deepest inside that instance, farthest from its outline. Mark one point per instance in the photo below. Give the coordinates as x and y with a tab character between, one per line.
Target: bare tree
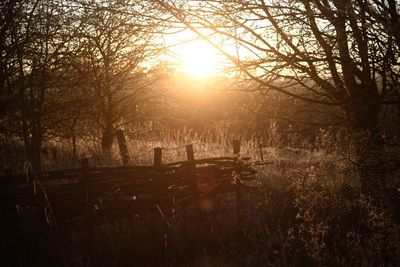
330	53
34	42
115	43
67	64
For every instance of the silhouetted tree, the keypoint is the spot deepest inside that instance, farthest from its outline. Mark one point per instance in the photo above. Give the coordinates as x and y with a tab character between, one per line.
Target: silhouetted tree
34	39
330	53
68	65
115	42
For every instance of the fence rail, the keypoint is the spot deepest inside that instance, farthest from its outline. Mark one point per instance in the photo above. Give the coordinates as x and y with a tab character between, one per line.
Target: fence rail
73	195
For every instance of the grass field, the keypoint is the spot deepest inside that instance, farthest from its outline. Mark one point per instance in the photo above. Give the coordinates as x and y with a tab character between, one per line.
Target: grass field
304	209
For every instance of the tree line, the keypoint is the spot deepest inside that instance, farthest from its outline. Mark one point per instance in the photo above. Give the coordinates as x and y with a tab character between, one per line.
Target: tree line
336	57
67	66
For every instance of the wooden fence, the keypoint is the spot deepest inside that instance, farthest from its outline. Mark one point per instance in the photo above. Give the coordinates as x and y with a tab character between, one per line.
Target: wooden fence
74	195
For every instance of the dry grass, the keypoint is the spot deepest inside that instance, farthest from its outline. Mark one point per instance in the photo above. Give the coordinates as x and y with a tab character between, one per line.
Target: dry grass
306	209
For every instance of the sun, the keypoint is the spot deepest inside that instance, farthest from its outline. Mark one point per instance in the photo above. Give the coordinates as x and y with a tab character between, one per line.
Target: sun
198	59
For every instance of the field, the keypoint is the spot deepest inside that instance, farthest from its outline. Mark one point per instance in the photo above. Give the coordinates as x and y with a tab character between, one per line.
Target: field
303	208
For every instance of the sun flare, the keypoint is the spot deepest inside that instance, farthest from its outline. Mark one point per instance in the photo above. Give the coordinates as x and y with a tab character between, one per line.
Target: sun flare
198	59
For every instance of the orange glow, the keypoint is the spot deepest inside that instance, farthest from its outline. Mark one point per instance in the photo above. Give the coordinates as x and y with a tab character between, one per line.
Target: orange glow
198	59
194	57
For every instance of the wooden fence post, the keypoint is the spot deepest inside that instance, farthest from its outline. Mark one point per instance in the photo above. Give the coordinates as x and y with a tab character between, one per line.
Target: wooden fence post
156	227
236	147
260	149
87	250
84	164
191	166
157	156
123	148
189	152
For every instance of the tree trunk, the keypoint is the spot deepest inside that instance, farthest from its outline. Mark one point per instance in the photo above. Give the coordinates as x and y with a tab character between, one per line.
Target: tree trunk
370	163
123	148
36	156
364	111
107	142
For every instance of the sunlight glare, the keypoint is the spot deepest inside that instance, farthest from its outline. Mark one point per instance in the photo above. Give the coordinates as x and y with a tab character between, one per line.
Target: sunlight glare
198	59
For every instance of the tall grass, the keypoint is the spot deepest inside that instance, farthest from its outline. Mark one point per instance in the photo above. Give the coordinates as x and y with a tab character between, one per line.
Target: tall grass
304	209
